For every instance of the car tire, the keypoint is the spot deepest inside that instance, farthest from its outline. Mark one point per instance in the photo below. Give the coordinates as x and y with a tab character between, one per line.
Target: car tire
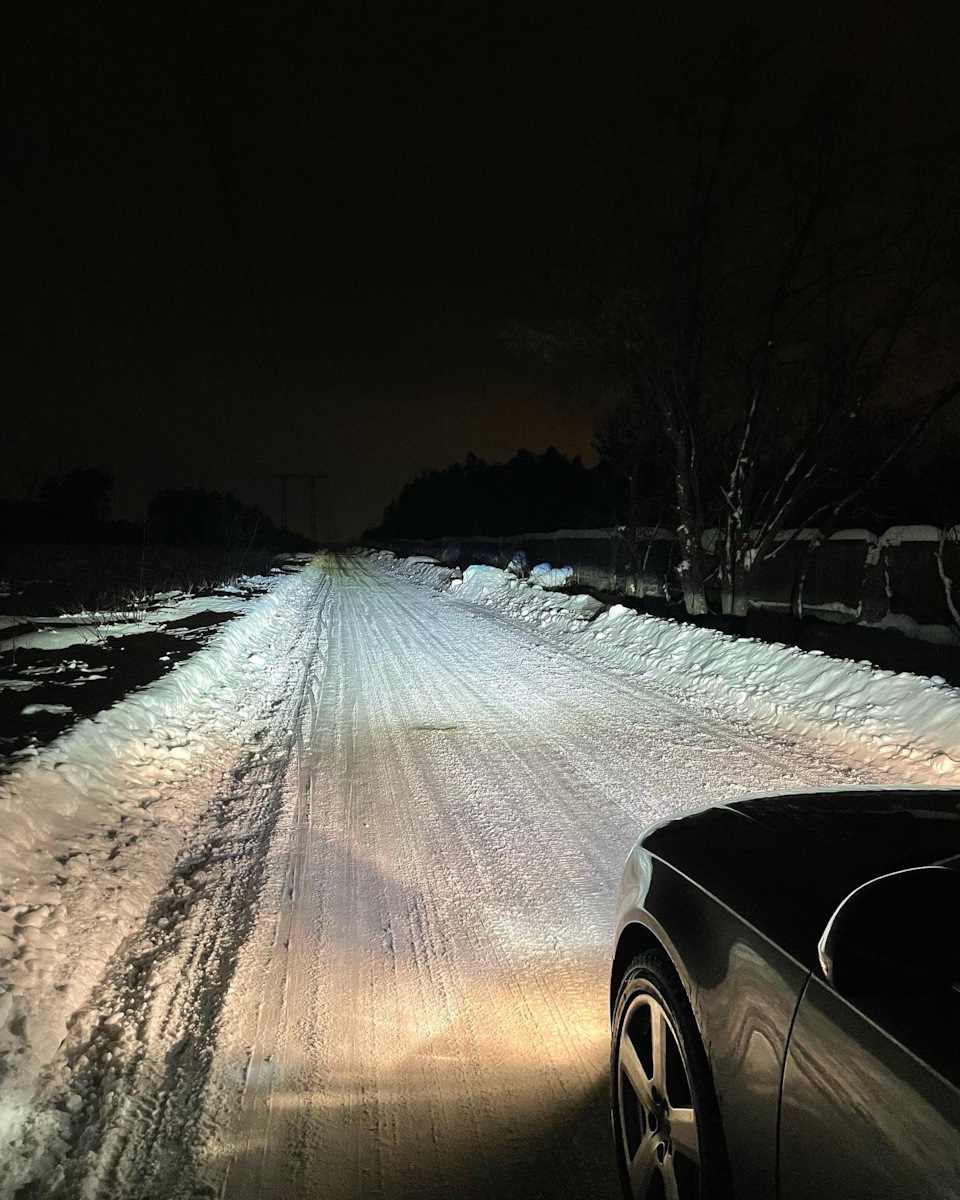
666	1121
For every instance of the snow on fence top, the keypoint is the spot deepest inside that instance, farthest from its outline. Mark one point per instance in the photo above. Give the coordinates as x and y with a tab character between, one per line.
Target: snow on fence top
896	535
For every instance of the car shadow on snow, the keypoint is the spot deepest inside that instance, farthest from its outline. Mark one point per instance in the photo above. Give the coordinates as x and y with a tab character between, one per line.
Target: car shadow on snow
567	1158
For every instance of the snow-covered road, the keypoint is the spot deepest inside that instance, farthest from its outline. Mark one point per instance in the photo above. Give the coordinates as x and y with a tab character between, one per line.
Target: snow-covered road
379	968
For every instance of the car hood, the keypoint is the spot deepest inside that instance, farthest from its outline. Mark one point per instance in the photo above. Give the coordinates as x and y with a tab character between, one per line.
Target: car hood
890	827
785	862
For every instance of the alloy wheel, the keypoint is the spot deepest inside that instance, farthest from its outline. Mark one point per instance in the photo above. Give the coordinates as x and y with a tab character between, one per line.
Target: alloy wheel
658	1123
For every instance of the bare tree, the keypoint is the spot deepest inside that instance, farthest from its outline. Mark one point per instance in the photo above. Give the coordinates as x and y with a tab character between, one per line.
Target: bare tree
841	323
950	535
791	304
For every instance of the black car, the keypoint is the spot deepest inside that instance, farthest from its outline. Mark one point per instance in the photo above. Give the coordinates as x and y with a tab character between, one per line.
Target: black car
785	1000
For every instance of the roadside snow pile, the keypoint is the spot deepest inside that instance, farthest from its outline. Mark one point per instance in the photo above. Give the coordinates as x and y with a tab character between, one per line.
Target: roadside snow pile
91	826
545	576
419	567
424	569
907	724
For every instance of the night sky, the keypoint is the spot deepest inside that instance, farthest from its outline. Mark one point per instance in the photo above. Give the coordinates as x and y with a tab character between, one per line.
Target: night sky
243	239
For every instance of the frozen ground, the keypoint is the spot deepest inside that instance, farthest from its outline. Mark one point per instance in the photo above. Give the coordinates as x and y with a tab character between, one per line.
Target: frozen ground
56	669
328	911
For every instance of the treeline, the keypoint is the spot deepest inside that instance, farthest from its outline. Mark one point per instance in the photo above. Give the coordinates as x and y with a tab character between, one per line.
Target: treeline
530	492
75	508
631	487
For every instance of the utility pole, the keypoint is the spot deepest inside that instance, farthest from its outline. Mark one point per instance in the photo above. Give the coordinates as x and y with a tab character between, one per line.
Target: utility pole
313	479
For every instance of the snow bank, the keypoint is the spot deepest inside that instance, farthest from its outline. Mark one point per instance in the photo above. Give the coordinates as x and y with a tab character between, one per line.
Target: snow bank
92	825
907	724
545	576
419	567
424	569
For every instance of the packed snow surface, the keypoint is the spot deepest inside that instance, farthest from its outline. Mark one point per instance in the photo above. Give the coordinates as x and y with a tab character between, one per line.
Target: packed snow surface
328	910
909	724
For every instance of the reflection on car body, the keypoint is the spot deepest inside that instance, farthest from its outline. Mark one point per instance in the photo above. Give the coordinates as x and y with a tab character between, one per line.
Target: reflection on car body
804	949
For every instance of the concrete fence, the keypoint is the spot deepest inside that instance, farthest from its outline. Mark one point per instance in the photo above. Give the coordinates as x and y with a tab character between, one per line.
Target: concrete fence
892	579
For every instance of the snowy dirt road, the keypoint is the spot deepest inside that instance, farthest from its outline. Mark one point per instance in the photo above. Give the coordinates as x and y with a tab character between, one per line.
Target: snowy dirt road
380	967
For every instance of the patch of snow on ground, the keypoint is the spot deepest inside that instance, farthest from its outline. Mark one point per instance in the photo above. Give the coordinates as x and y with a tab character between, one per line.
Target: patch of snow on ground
939	635
77	629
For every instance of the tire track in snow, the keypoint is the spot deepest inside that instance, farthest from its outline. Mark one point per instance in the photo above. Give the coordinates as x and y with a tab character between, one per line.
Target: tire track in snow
279	971
137	1056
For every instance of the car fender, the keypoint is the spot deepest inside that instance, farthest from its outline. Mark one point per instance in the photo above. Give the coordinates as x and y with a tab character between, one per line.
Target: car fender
743	991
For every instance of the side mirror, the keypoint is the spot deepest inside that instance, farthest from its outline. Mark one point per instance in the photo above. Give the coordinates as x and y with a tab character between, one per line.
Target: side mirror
896	934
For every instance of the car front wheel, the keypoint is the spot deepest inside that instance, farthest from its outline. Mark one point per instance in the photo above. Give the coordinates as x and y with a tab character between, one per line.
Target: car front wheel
666	1123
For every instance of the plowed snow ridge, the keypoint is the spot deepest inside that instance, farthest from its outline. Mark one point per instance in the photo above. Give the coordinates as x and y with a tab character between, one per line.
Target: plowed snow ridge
341	920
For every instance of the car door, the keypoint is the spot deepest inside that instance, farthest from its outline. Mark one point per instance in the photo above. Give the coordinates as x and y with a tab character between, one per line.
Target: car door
864	1116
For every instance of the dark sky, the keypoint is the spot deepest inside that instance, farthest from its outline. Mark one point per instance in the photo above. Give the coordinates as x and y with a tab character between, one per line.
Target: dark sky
241	239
